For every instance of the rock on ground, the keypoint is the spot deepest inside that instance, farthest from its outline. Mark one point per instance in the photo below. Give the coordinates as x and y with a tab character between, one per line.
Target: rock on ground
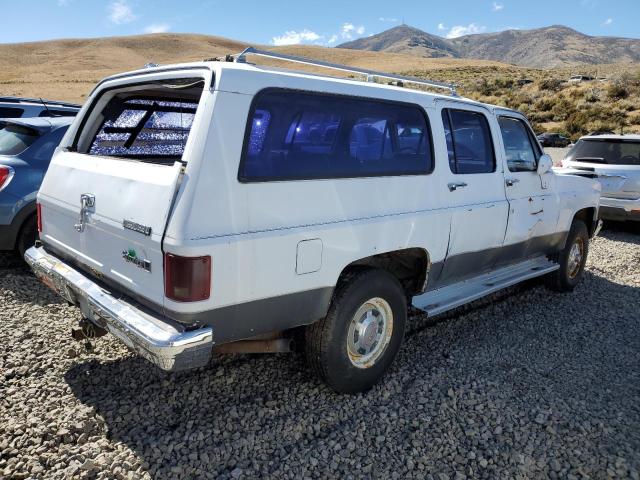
525	384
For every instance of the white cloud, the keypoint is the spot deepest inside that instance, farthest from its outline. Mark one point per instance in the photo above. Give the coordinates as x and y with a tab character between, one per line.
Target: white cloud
293	37
157	28
348	29
460	30
63	3
607	22
441	27
121	12
388	19
591	4
497	6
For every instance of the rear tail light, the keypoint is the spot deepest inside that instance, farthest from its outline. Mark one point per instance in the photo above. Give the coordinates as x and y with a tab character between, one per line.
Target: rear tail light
187	279
6	174
39	216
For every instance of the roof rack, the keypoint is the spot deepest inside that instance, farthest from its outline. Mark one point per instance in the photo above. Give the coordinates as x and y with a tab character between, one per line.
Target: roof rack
370	74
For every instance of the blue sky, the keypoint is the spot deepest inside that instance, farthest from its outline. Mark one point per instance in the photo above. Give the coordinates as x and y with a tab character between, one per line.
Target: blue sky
325	22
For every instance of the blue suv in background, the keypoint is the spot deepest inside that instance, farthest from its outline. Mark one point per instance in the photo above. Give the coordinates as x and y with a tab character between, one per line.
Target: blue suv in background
26	148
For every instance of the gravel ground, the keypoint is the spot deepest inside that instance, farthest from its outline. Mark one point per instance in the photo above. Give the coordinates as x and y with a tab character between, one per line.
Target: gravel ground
527	384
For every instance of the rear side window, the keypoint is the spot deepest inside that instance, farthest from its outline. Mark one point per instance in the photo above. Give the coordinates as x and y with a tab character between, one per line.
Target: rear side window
15	139
469	142
10	112
609	151
522	155
295	135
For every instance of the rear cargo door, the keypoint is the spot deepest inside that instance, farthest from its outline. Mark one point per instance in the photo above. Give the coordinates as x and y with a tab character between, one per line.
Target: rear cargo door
107	195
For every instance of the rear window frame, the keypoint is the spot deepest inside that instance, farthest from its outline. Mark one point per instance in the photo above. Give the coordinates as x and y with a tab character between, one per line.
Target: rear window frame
248	129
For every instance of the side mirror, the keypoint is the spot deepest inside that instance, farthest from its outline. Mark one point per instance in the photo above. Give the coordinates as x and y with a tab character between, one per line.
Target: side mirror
544	164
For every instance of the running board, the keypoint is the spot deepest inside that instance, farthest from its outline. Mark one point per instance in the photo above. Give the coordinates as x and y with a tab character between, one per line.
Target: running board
446	298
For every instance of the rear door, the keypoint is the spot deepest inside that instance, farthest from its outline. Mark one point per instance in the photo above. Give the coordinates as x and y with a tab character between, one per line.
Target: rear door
476	194
109	190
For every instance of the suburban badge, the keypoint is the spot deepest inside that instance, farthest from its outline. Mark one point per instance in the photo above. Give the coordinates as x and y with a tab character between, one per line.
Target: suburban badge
136	227
131	257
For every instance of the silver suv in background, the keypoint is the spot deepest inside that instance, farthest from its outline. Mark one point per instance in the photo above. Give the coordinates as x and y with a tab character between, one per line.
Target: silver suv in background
17	107
615	159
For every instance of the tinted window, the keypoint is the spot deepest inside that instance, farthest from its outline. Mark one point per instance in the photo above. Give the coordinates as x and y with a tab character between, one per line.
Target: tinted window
52	112
469	142
15	139
7	112
144	128
611	151
519	149
298	135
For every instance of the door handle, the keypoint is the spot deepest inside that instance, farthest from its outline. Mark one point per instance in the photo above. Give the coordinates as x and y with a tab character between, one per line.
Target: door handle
87	201
511	181
456	185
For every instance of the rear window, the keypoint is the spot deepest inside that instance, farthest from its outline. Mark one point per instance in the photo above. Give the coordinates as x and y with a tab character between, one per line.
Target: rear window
10	112
15	139
608	151
150	125
296	135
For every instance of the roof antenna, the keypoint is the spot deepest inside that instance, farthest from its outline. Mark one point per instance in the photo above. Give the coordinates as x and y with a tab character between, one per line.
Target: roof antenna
47	108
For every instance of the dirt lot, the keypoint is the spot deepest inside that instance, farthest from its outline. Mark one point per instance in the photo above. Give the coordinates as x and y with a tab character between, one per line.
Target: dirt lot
527	384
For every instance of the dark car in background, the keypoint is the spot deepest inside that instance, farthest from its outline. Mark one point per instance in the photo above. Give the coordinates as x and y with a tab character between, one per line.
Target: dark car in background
553	140
26	148
18	107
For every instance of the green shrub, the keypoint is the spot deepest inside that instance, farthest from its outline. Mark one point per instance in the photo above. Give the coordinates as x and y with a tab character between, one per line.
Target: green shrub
617	91
551	84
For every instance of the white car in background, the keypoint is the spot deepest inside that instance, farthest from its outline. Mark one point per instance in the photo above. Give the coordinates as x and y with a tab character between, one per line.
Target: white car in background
615	160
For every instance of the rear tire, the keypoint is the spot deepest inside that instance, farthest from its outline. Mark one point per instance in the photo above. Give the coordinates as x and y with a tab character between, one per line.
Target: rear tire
354	345
572	259
27	236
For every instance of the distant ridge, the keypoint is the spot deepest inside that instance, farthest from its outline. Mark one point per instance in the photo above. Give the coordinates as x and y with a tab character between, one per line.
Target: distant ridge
548	47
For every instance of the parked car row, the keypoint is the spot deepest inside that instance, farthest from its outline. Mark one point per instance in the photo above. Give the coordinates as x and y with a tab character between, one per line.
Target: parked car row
220	207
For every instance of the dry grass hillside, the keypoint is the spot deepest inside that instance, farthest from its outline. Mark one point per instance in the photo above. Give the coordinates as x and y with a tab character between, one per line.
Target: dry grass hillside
68	70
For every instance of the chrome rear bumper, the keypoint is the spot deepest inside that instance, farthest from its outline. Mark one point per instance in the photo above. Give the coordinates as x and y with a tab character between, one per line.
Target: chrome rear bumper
157	341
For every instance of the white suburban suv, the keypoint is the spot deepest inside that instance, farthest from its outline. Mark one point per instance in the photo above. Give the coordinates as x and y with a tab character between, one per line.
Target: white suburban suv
223	206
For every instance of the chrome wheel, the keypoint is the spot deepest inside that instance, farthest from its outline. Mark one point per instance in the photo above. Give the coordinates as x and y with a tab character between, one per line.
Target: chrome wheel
369	333
575	257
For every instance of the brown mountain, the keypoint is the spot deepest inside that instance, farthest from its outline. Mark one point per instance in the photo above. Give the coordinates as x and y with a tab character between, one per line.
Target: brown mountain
548	47
405	39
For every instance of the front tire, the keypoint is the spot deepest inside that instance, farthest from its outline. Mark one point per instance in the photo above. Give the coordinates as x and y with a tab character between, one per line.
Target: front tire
354	345
572	259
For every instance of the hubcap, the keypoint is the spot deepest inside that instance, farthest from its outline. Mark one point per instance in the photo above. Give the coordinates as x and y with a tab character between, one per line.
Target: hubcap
574	261
369	332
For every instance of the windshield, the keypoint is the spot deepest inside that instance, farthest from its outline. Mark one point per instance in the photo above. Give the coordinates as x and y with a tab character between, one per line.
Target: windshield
15	139
609	151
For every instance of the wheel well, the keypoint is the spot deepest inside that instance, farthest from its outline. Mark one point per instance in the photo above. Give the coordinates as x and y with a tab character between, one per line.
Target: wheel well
587	215
410	266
